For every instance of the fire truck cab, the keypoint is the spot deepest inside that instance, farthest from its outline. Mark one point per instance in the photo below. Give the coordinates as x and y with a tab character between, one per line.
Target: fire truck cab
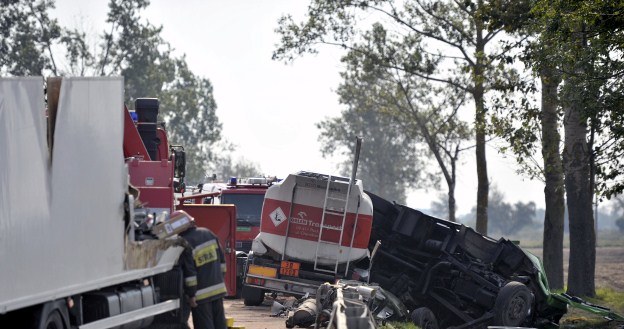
247	194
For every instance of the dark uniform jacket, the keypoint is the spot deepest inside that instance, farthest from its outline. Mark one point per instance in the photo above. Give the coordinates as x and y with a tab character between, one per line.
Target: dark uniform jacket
203	265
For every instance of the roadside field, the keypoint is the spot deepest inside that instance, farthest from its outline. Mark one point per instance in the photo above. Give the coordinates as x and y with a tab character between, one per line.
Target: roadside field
609	266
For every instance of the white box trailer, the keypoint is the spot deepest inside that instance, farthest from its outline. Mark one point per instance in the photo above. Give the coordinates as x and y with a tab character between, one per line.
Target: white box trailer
63	239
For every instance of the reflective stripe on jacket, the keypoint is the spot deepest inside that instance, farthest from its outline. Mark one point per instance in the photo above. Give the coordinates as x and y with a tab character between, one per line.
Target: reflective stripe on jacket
202	266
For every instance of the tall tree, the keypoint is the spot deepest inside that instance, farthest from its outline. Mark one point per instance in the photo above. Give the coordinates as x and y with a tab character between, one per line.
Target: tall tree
31	43
189	109
389	163
586	38
26	35
406	105
135	49
452	34
225	166
553	179
579	192
528	129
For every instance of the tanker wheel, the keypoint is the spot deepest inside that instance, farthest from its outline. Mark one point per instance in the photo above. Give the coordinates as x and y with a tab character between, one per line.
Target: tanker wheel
53	321
513	305
252	296
424	318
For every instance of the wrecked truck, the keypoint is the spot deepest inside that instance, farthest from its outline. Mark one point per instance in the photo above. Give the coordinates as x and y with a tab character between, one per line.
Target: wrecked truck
450	276
318	228
446	274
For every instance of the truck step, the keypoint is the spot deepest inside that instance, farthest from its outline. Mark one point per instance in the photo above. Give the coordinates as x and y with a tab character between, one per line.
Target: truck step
335	212
320	269
331	228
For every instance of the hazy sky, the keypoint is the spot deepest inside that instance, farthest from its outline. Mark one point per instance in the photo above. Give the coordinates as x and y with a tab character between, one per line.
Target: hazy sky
269	109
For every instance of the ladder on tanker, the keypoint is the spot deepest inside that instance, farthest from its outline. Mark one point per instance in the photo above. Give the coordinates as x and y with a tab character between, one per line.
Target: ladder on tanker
336	203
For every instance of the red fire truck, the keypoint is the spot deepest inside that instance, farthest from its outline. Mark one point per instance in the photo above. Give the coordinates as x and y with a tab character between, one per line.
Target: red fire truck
247	195
157	170
83	250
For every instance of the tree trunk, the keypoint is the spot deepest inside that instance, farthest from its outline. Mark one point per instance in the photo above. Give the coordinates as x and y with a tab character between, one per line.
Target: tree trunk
554	188
482	177
576	156
483	184
451	204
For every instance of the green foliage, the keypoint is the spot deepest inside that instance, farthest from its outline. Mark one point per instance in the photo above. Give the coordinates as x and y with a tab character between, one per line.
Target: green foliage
189	109
414	64
437	40
506	218
587	39
605	297
26	33
428	57
609	298
226	167
130	47
388	161
135	49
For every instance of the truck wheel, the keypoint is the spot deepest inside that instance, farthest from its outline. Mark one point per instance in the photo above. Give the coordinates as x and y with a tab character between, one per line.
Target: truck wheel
252	296
239	287
513	305
424	318
54	321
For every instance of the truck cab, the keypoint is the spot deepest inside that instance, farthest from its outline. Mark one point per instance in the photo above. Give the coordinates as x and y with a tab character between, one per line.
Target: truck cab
247	195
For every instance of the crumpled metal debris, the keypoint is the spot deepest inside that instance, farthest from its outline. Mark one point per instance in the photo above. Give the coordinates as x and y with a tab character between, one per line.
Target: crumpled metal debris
346	304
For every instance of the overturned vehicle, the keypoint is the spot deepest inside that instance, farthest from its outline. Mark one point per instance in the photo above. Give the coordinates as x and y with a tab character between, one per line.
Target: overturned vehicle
318	228
450	276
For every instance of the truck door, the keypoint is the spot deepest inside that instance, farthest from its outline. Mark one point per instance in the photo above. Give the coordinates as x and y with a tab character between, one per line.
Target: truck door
221	220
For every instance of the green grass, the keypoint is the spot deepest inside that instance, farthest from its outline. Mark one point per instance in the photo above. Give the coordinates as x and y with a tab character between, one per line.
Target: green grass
605	297
611	298
399	325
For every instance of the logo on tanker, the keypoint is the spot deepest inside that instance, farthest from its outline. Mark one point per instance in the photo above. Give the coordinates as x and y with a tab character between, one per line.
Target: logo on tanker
277	216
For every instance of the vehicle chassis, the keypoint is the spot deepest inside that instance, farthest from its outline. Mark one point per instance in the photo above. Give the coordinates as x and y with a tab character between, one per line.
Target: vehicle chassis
466	279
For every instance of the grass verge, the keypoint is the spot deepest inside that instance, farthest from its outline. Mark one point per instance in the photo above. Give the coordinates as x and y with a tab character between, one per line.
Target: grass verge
605	297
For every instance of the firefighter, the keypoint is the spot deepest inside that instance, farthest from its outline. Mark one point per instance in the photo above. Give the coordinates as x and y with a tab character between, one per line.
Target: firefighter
203	265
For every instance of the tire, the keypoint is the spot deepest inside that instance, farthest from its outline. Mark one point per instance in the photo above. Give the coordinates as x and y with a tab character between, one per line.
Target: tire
252	296
513	305
54	321
239	287
424	318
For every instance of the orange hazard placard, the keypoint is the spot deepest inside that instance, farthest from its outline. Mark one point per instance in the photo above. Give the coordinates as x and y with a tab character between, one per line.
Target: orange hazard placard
289	268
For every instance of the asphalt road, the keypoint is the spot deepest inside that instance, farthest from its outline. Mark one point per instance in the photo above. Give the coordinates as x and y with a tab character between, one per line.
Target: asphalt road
251	317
